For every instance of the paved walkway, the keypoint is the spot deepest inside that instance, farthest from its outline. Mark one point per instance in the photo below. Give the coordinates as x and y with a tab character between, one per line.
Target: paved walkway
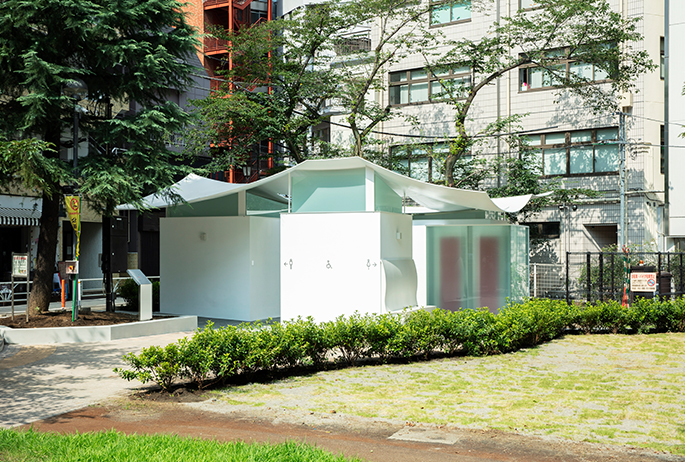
46	380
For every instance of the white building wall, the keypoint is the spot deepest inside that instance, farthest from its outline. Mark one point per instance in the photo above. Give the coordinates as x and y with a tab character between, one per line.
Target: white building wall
209	264
676	144
331	262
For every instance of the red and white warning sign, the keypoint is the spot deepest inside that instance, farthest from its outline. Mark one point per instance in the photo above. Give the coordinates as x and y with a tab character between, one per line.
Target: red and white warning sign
642	282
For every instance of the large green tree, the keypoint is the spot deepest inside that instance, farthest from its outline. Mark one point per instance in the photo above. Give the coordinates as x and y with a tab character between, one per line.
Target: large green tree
125	51
556	31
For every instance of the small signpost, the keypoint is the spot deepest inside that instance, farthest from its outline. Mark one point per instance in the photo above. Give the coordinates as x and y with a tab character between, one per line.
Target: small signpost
21	269
144	294
642	282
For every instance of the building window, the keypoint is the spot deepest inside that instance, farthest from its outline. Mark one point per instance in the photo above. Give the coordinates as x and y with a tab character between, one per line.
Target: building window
537	78
419	161
662	55
450	12
422	86
580	152
544	230
527	4
349	45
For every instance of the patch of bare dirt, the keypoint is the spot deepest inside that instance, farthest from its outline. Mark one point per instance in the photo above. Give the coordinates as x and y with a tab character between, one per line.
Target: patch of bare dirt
371	442
62	318
181	394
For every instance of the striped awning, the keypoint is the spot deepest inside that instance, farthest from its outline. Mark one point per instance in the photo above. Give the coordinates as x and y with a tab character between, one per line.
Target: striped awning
19	217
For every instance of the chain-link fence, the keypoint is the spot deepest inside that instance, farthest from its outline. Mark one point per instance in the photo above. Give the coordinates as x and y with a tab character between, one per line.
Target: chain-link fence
594	276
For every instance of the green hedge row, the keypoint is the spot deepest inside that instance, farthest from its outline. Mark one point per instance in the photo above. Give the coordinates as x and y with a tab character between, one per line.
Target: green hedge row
212	355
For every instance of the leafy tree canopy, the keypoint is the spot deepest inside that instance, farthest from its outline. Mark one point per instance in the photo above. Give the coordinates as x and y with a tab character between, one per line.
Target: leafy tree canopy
125	51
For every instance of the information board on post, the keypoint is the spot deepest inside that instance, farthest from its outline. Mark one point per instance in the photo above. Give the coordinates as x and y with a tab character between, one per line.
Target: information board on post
20	265
642	282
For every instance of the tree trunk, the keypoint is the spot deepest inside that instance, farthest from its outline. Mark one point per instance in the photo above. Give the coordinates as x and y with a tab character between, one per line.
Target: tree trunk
45	257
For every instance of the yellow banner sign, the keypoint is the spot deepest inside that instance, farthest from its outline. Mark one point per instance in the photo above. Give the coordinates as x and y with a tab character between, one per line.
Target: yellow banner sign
74	213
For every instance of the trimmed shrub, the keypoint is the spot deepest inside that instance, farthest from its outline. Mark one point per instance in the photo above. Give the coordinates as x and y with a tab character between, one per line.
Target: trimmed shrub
216	354
161	365
348	336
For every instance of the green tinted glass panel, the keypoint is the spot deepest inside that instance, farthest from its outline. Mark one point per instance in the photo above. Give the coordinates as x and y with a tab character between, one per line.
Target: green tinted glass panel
600	74
387	200
581	159
419	74
257	203
606	158
338	191
461	11
226	206
582	70
419	168
555	161
520	268
418	92
398	76
607	134
440	14
581	136
533	140
555	138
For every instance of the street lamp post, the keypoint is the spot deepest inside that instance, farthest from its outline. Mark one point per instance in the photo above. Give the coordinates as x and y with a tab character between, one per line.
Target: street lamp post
77	90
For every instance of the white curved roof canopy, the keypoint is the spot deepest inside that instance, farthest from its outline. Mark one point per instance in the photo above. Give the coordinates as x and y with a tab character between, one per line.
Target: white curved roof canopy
436	198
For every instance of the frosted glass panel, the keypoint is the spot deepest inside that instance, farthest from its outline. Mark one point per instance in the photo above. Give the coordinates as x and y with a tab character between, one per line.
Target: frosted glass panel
447	267
339	191
606	158
555	161
581	159
535	78
520	268
472	266
419	92
533	140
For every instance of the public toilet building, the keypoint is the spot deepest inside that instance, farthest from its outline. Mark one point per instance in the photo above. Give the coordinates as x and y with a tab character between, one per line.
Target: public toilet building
330	237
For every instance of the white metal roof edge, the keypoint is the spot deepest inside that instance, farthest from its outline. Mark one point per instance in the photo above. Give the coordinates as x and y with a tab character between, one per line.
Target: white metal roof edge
434	197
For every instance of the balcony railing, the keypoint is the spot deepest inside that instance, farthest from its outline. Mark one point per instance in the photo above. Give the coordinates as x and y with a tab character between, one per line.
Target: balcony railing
213	45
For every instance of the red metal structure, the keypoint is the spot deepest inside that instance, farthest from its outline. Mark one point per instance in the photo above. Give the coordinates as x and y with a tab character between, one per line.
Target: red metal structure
230	15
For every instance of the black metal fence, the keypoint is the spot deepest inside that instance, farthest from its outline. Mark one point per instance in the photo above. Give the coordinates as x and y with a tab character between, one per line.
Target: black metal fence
595	276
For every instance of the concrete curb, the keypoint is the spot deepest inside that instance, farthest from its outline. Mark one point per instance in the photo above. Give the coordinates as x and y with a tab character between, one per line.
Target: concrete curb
84	334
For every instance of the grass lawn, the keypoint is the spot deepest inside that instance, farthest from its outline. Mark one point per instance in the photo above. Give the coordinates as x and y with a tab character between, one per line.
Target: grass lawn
108	446
610	389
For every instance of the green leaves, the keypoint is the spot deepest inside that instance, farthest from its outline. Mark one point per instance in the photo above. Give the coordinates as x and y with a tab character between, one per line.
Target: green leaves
217	354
